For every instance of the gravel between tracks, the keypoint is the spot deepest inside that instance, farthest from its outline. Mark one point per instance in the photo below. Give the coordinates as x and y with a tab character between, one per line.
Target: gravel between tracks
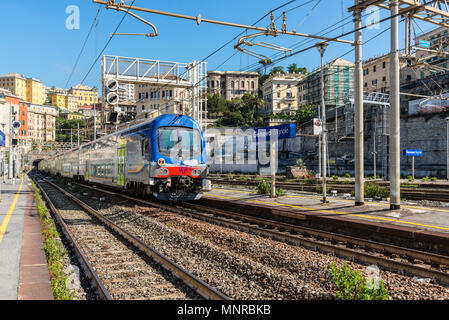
246	266
125	272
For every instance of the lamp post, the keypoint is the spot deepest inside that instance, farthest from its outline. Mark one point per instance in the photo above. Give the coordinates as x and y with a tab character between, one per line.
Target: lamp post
321	46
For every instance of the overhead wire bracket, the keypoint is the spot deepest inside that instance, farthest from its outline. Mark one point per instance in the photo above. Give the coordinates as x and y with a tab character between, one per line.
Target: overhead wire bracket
118	6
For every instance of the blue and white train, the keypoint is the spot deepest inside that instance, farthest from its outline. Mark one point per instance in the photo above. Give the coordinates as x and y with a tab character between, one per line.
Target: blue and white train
164	157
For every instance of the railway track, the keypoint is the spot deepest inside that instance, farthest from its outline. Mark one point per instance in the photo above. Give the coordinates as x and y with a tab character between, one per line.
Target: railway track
394	258
120	265
422	192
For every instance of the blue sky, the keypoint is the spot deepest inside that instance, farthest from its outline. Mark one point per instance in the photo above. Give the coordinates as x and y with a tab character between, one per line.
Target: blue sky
37	43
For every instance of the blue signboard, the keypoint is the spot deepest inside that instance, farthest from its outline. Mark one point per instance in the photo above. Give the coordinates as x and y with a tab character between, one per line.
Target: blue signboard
2	139
285	131
424	44
412	153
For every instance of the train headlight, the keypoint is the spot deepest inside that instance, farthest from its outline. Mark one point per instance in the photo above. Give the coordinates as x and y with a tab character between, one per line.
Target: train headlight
162	172
197	172
161	162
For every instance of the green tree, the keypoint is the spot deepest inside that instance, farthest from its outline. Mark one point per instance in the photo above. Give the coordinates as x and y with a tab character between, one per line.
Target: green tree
293	68
277	69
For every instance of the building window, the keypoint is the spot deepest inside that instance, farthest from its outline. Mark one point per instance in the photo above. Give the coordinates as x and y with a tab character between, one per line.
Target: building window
243	84
232	84
374	69
384	64
384	78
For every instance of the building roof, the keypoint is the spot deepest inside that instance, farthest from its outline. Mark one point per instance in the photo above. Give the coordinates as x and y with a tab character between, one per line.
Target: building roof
83	87
13	75
242	73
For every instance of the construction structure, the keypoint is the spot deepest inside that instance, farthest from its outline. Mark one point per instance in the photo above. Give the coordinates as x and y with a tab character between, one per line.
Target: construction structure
158	78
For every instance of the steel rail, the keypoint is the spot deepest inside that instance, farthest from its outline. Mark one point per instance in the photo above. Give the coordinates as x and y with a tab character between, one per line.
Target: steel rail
199	286
85	264
287	237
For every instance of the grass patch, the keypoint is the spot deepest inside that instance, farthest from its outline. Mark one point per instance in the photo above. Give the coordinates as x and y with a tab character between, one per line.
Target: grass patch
351	285
265	188
54	250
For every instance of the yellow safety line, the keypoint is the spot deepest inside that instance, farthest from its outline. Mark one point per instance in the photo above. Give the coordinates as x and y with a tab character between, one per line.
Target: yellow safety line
9	213
331	211
319	198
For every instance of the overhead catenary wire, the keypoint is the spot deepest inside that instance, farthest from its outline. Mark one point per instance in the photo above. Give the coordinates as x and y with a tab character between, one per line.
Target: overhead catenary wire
83	45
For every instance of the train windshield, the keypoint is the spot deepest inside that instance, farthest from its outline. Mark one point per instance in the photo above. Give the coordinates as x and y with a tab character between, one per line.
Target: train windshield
179	142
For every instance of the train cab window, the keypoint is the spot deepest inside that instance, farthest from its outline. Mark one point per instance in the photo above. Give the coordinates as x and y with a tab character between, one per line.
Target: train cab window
175	142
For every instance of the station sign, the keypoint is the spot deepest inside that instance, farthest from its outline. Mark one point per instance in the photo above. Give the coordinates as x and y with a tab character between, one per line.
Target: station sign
424	44
285	131
412	153
2	139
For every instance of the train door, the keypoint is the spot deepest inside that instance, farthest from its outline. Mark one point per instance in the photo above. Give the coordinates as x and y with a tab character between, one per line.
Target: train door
86	170
121	162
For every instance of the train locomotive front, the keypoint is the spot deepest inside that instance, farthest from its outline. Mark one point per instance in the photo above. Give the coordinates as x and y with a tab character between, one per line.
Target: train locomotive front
178	166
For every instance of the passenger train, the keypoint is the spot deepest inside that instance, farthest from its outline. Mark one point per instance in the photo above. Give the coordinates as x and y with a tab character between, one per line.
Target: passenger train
164	157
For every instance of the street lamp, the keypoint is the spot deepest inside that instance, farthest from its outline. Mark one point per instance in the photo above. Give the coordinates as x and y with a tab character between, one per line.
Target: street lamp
447	147
321	46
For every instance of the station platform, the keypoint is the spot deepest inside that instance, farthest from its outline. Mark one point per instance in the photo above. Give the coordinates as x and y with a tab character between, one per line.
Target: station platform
23	268
413	222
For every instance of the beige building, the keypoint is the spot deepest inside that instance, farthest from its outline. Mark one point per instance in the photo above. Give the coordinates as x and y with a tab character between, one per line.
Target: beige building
71	103
280	92
41	123
376	73
153	100
232	84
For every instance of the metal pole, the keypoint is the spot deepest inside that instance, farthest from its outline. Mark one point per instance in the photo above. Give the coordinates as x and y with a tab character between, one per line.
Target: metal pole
358	112
413	168
395	192
95	122
321	48
273	149
78	134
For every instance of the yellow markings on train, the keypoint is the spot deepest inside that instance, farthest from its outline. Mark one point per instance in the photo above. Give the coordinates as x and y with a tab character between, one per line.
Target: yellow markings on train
9	213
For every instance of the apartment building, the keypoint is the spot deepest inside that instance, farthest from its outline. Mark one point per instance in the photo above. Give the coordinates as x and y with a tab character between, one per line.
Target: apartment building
154	100
376	73
338	84
35	91
41	123
28	89
126	92
59	100
232	84
439	63
280	92
84	95
15	83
